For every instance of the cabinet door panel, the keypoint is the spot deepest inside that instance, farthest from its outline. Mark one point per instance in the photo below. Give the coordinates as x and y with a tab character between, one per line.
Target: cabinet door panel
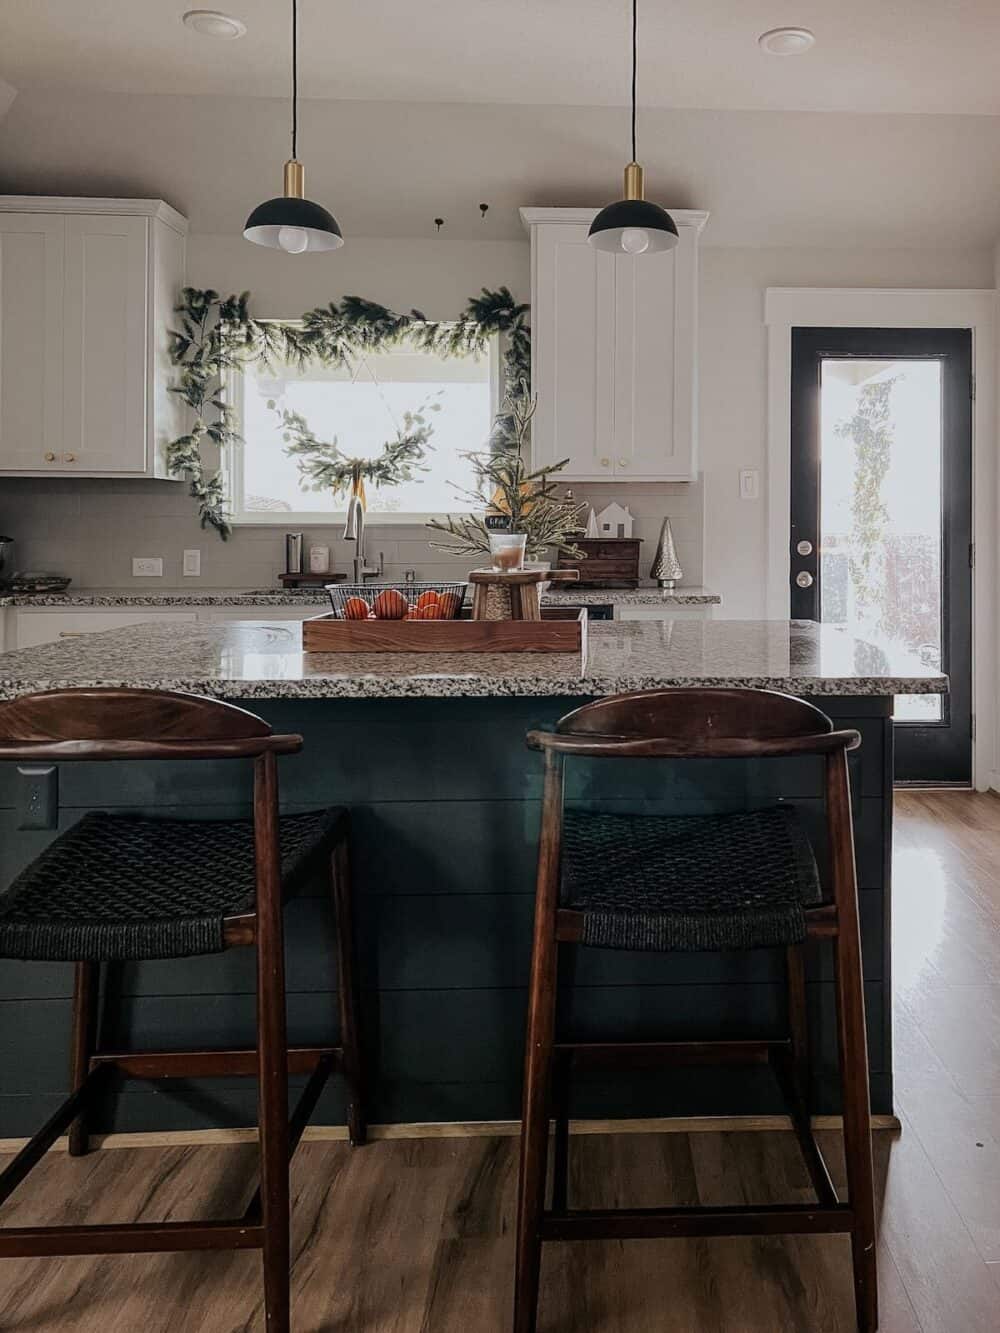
38	627
31	370
644	368
105	345
573	345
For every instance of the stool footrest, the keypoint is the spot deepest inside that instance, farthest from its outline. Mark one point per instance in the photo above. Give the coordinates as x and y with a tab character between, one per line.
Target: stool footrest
236	1063
654	1223
36	1148
129	1238
587	1054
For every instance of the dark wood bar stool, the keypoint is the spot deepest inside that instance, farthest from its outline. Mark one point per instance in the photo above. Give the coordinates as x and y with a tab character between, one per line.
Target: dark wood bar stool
741	881
122	887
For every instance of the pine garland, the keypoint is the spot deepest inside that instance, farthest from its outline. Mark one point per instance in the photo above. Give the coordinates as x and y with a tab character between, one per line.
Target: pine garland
324	467
217	336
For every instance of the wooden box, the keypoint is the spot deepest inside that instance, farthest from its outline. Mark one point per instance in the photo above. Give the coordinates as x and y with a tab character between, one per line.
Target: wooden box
331	634
612	562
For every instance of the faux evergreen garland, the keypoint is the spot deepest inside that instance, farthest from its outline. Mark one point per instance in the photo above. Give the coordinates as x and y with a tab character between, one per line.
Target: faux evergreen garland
218	336
324	467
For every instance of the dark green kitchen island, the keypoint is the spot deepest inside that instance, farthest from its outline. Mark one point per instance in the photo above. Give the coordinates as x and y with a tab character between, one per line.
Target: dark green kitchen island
428	753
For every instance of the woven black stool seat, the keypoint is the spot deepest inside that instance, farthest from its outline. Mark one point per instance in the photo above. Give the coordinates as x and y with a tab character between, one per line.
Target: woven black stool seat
118	887
683	884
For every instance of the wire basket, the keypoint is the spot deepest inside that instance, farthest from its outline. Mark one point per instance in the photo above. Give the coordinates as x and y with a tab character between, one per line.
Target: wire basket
396	601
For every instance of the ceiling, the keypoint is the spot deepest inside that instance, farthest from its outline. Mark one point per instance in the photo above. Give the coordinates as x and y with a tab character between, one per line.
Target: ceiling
773	179
931	56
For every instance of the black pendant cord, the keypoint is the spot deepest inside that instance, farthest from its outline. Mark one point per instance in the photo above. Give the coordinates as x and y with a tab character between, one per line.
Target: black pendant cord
635	61
295	77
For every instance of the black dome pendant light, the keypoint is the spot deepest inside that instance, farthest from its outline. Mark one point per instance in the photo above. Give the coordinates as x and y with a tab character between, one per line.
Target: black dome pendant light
291	222
633	226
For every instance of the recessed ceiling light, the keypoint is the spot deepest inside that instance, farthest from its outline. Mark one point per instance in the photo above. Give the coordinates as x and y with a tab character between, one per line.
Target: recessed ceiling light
211	23
786	41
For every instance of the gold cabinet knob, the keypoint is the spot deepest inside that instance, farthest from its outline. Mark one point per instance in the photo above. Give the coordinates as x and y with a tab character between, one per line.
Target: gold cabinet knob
605	462
623	462
69	458
50	458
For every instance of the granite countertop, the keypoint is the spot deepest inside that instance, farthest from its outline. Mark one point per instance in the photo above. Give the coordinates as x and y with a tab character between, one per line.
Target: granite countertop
124	597
257	660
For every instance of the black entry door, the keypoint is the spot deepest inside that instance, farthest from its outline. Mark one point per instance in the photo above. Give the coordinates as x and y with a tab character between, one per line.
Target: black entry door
881	514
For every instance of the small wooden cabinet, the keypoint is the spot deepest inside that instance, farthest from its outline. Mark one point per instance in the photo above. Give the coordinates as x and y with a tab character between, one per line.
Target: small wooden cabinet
87	291
613	343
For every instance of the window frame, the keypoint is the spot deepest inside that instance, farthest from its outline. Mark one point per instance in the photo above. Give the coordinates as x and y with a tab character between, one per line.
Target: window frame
233	387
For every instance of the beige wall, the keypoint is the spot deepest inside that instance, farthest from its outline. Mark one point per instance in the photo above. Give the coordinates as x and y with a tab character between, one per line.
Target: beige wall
91	529
733	370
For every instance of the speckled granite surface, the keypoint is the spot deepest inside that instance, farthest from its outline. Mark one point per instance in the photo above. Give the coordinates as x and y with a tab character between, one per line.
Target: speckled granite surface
110	597
255	660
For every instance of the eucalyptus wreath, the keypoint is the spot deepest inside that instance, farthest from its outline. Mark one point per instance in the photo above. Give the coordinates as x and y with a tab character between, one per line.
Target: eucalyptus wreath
218	336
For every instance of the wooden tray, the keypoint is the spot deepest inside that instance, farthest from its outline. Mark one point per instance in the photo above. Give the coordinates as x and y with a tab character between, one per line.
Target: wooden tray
330	634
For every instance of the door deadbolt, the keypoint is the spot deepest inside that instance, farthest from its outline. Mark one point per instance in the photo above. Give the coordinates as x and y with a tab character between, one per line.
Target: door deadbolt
804	579
804	548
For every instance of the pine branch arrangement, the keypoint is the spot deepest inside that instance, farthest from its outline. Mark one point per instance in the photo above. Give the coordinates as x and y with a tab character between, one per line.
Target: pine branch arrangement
323	466
217	336
528	499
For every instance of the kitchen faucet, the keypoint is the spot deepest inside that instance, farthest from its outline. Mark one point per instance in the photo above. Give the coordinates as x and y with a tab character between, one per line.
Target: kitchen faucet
354	531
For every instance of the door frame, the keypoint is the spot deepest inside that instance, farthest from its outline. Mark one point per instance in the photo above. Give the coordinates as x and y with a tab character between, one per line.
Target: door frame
786	308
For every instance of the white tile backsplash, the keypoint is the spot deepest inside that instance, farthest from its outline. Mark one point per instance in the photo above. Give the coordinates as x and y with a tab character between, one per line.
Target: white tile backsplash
90	529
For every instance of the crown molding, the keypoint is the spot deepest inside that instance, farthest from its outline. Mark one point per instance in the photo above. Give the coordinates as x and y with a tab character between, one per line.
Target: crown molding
43	203
540	217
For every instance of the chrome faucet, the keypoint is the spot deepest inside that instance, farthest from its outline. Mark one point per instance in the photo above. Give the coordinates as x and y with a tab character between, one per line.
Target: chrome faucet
354	531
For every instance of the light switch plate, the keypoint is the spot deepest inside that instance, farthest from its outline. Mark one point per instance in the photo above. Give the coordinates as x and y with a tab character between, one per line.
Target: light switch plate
37	796
749	483
192	562
147	566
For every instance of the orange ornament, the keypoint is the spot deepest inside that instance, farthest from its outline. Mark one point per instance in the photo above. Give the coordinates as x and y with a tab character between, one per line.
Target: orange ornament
355	608
428	598
449	602
390	605
432	611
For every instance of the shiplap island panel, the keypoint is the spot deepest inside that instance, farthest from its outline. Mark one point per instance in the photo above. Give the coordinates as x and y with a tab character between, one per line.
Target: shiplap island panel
430	757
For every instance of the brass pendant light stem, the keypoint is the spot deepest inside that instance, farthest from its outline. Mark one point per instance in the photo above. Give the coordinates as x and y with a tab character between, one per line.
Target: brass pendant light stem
634	187
295	179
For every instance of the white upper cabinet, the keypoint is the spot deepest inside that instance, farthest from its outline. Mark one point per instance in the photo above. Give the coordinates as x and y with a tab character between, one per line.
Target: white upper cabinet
87	290
613	349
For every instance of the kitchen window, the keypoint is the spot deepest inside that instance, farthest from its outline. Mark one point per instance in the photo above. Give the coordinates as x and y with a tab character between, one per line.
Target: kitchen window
363	405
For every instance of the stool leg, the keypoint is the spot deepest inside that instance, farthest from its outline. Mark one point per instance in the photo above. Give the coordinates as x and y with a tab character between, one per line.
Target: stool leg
798	1019
538	1058
347	991
561	1071
85	999
852	1045
272	1052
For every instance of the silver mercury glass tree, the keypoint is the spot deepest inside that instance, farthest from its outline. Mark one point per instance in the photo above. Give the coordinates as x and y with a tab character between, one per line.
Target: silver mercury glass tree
666	568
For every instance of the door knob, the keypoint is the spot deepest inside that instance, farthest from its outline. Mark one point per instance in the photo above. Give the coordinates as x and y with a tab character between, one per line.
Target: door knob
804	579
804	548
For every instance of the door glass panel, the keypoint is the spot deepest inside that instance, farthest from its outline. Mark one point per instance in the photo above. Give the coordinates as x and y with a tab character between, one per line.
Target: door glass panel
881	508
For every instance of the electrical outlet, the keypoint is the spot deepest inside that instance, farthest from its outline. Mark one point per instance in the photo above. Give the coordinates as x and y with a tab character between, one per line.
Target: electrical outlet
192	562
37	796
749	484
147	566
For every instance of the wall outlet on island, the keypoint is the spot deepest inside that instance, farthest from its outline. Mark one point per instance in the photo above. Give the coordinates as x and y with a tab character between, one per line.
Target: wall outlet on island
147	566
192	562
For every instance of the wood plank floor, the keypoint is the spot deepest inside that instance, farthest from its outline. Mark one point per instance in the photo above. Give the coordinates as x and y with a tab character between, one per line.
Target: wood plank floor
416	1236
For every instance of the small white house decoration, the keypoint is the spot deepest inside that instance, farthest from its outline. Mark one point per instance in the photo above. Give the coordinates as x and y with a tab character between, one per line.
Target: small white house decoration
615	521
